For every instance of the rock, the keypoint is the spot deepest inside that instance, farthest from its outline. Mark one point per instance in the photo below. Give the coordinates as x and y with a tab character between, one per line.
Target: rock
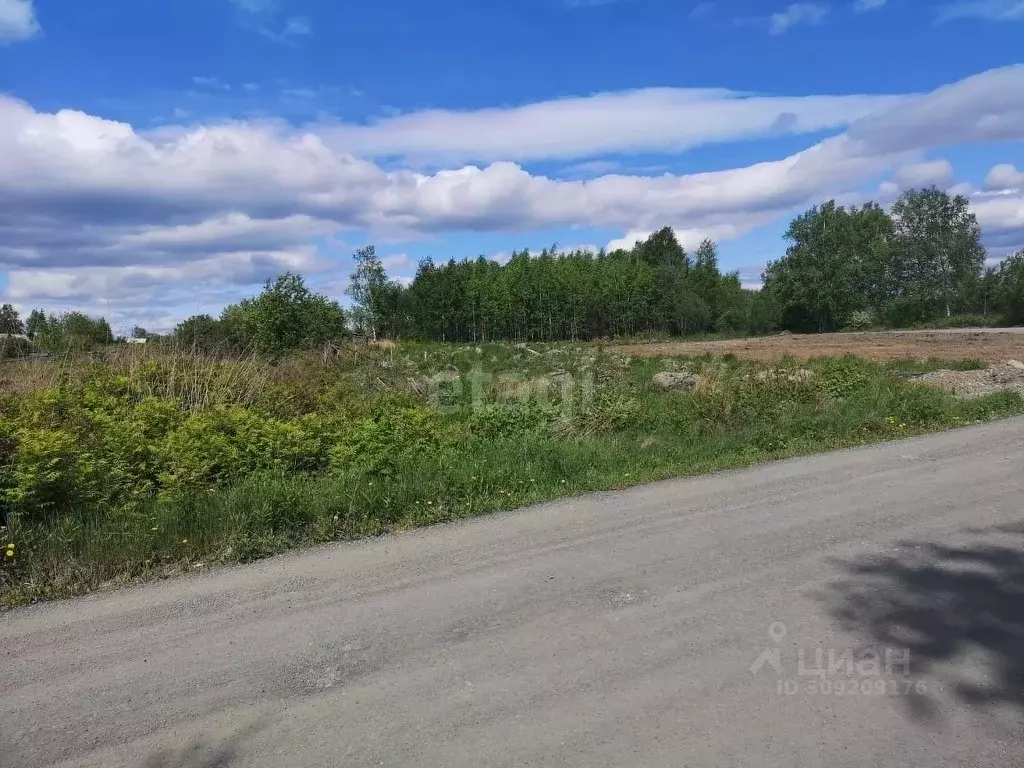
1016	364
674	380
773	375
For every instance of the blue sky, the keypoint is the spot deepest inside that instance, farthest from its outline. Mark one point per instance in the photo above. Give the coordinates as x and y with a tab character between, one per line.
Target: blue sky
159	158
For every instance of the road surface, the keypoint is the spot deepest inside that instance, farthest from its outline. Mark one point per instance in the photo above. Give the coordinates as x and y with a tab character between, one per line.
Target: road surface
657	626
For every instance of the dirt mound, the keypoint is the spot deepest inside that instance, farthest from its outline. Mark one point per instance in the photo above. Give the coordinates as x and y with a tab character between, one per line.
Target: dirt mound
973	384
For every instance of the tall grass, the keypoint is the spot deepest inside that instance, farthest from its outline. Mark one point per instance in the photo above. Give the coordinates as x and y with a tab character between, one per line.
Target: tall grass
388	460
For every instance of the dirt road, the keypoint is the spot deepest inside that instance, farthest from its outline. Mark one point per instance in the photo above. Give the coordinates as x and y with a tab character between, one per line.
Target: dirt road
987	345
741	619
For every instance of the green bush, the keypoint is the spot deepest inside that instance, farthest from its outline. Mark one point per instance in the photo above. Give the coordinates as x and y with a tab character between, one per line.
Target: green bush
376	445
13	347
861	319
510	419
839	377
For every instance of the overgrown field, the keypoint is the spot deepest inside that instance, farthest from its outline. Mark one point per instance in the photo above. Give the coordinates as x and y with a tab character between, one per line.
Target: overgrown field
152	462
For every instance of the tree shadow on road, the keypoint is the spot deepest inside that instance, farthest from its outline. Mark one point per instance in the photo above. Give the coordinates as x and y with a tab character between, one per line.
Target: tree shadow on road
205	753
945	603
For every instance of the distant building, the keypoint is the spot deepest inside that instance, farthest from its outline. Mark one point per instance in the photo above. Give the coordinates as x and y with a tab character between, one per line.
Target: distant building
137	341
21	336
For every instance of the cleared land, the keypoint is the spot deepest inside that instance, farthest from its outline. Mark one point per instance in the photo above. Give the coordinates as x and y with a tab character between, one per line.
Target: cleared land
615	629
989	346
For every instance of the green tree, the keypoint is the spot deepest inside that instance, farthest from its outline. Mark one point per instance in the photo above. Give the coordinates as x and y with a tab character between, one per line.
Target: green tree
837	262
368	284
73	331
10	321
287	316
205	333
1009	290
36	322
939	254
660	248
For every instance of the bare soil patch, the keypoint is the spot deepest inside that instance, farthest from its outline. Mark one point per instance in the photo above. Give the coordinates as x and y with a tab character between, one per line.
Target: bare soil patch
974	384
882	346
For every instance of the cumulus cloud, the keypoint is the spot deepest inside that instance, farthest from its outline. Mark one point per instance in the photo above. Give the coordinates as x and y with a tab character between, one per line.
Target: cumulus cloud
1002	219
194	208
924	174
689	239
645	120
17	21
796	14
1004	176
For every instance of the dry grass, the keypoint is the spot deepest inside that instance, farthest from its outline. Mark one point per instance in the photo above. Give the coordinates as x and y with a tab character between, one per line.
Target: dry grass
883	346
196	379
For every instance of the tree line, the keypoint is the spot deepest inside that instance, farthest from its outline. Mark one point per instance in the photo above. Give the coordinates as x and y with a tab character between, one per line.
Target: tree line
844	267
654	287
919	262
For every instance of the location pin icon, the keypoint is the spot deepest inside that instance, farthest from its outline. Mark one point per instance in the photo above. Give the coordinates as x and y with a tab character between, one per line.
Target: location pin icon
777	632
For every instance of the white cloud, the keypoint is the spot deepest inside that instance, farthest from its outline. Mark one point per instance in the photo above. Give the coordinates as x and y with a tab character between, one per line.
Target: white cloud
17	21
923	174
1004	176
398	263
646	120
795	14
211	82
860	6
82	197
1002	220
702	10
264	16
628	240
155	296
297	26
689	239
991	10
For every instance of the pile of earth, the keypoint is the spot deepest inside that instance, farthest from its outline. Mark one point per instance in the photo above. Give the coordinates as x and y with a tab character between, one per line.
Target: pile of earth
973	384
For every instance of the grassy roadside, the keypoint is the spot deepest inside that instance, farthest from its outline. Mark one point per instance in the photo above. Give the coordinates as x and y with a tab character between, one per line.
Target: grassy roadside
129	470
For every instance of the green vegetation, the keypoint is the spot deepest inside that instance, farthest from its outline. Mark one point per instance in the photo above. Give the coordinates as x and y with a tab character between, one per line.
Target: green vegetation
920	264
262	429
155	461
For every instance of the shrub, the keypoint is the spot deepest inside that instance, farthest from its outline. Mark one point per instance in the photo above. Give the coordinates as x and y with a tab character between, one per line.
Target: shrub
838	378
861	319
13	347
44	475
509	419
376	445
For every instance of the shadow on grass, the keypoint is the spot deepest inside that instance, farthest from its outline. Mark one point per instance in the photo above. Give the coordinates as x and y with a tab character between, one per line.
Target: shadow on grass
961	606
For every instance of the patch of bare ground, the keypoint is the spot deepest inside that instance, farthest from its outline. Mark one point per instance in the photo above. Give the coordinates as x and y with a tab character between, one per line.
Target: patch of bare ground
889	345
973	384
